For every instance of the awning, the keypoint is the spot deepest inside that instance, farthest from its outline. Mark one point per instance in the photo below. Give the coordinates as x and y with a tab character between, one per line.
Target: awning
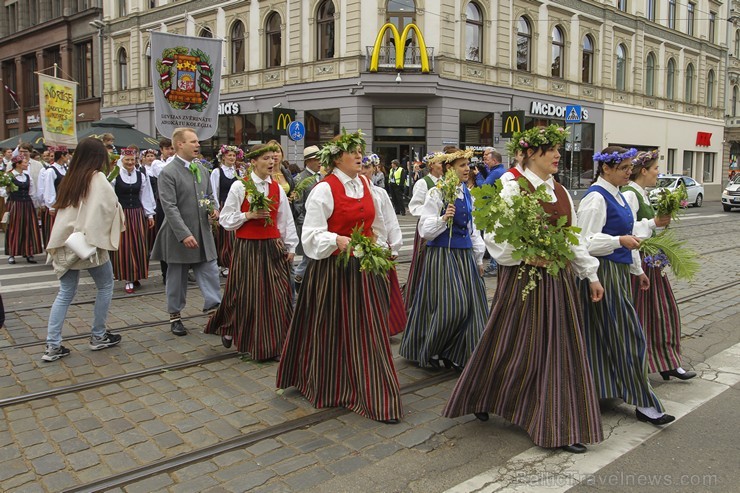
34	136
123	131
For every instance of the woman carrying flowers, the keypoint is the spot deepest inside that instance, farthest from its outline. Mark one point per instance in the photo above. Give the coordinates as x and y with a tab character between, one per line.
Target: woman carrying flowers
655	306
257	304
530	366
337	352
222	177
22	236
448	312
614	336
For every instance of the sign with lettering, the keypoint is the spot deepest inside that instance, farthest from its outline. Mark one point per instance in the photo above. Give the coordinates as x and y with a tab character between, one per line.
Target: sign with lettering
58	108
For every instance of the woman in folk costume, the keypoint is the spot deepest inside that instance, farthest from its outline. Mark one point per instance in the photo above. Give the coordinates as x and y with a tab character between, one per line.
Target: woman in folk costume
392	233
147	160
656	306
416	204
222	177
134	192
448	313
257	304
614	335
530	366
22	236
49	181
337	352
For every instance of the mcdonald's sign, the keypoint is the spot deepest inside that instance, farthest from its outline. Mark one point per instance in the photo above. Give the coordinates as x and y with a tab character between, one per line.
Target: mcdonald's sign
486	126
282	117
400	42
511	121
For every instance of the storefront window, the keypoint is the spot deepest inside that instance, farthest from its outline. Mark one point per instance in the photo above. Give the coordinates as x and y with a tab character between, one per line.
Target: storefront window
400	124
476	129
708	176
671	160
688	163
321	126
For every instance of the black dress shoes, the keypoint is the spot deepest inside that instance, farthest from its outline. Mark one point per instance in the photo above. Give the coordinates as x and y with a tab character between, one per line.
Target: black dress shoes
226	342
481	416
688	375
393	421
212	309
178	328
31	260
663	420
576	448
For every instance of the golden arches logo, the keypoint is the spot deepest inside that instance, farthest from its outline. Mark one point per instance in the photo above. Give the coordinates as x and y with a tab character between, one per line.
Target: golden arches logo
283	121
512	125
511	121
312	124
400	42
486	125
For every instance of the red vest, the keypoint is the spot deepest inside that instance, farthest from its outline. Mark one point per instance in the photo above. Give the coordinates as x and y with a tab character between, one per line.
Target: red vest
348	212
258	229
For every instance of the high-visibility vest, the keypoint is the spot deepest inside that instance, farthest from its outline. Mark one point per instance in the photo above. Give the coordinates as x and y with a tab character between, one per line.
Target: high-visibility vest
396	176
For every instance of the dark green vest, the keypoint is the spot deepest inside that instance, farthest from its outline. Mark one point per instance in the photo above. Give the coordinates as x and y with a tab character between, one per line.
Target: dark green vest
646	210
430	182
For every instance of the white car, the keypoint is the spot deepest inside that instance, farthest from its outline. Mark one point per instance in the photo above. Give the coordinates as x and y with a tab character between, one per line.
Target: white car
731	194
694	190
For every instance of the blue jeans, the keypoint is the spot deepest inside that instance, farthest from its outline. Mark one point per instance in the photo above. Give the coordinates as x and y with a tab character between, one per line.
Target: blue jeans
103	277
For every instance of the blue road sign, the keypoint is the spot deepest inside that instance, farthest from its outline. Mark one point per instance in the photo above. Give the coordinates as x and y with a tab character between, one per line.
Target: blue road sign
296	131
573	113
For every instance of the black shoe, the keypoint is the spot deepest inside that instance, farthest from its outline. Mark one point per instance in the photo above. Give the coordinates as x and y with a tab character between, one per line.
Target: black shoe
178	328
393	421
212	309
451	364
137	284
434	363
663	420
481	416
31	260
11	260
576	448
226	342
681	376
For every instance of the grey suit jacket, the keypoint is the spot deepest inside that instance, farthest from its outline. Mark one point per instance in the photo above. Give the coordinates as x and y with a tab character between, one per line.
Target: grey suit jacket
179	193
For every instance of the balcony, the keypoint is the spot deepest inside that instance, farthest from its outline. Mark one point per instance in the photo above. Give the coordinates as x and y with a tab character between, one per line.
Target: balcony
387	59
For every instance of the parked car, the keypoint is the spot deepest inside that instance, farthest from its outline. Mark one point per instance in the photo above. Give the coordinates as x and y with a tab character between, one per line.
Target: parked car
694	190
731	194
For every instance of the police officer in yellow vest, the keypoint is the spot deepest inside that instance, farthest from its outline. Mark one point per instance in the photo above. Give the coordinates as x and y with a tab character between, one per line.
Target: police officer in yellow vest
396	181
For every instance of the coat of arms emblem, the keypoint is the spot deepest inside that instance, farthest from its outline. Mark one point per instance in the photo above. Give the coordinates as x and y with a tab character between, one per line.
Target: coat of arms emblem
185	78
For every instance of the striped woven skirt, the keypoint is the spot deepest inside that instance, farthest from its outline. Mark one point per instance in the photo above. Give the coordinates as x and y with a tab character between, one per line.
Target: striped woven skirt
131	261
661	320
416	270
224	245
397	311
22	236
47	223
615	340
448	314
337	352
530	366
258	302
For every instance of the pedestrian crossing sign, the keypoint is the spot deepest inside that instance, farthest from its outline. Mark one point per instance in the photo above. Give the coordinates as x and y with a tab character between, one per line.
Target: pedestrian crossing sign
573	113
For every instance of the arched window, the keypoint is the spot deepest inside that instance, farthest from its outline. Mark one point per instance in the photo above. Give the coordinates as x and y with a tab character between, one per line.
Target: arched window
587	65
650	75
734	101
273	40
122	69
148	64
205	33
710	88
670	79
621	72
237	47
400	13
473	33
523	45
558	51
325	30
689	85
737	44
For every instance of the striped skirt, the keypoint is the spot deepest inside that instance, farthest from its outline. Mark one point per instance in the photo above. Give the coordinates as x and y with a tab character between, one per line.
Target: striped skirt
615	340
47	223
397	311
661	320
337	352
258	302
415	271
448	314
22	236
224	245
131	261
530	366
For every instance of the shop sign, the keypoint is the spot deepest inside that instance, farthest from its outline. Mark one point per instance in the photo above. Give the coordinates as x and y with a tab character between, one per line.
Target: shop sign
399	41
12	121
33	119
229	109
511	121
550	109
703	139
282	118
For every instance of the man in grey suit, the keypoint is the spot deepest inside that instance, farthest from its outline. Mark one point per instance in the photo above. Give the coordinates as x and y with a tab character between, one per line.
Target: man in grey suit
310	172
185	239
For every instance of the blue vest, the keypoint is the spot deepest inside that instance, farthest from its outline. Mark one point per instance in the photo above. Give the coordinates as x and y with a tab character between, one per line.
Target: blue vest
461	225
619	222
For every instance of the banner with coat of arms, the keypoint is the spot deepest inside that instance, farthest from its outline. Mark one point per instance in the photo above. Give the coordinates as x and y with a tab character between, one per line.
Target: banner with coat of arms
188	73
58	110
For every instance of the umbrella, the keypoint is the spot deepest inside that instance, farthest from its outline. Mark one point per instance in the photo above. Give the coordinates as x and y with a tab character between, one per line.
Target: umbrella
123	131
34	135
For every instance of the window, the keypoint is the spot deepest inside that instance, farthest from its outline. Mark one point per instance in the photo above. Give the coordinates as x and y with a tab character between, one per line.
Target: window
272	31
690	19
473	33
205	33
558	50
710	88
237	48
30	81
734	101
12	18
476	128
33	12
325	26
708	175
737	44
400	124
650	75
587	70
84	70
671	160
56	9
621	72
122	8
9	76
688	163
523	45
712	22
650	10
670	76
321	126
148	63
672	14
51	57
622	5
689	96
122	70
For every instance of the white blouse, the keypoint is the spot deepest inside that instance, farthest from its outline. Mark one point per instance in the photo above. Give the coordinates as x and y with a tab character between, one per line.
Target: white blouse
634	203
232	218
47	192
419	195
584	265
22	177
391	231
216	180
146	196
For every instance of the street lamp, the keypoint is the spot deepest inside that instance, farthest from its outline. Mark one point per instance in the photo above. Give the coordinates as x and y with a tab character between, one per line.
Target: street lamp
100	26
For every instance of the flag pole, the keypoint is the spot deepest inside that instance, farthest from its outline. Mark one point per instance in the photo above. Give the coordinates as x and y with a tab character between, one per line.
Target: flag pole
11	94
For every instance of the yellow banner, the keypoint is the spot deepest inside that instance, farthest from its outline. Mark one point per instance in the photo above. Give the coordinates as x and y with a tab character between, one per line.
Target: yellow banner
58	108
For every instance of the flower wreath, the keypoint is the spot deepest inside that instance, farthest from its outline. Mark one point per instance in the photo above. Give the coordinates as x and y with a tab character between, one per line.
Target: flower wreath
258	152
614	157
224	149
426	158
645	157
372	159
535	137
451	157
345	143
